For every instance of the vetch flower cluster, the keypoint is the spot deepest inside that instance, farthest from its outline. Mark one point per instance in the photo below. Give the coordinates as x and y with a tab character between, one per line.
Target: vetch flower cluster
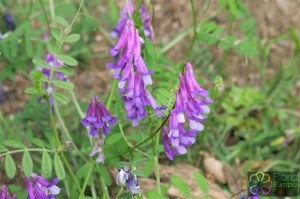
5	194
131	69
98	117
191	104
124	16
55	63
126	178
40	188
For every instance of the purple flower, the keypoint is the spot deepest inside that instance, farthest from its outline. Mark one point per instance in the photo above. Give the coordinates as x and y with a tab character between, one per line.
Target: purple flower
122	20
5	194
98	149
39	188
10	24
146	20
124	16
132	185
122	176
191	105
133	75
98	117
50	59
125	178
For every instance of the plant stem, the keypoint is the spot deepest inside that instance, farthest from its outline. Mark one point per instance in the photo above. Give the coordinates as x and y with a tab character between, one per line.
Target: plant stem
157	174
87	178
46	16
144	141
65	130
111	94
23	150
58	144
77	106
6	125
127	141
188	54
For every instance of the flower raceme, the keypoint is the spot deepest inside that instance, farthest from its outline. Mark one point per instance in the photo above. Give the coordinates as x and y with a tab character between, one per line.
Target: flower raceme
5	194
131	69
40	188
98	117
145	17
55	63
191	104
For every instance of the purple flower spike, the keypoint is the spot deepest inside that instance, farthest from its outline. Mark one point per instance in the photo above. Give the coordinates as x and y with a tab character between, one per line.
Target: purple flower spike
5	194
98	117
133	75
124	16
40	188
191	105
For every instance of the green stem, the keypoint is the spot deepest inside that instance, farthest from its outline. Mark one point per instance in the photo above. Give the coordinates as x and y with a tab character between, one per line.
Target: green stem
87	178
71	172
58	144
127	141
144	141
77	106
103	185
188	54
65	130
6	125
111	94
23	150
46	16
157	174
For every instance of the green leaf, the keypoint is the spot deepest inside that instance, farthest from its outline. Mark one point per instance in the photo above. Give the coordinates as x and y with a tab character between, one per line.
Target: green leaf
46	165
72	38
27	164
180	185
201	181
60	97
58	167
148	167
149	47
40	62
105	174
65	70
10	166
38	142
57	34
138	173
3	148
61	21
68	60
51	46
14	144
31	91
28	47
113	138
63	84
